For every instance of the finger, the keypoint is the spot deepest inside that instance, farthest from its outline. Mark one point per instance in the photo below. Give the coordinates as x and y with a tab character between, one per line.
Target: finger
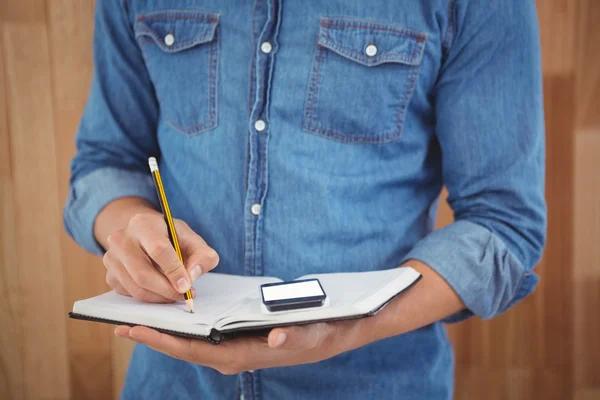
122	331
302	337
161	251
114	283
140	268
230	357
199	257
195	351
117	287
131	287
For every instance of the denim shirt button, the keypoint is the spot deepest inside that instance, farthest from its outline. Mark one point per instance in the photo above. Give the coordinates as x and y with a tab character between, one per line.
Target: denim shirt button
255	209
169	39
260	125
266	47
371	50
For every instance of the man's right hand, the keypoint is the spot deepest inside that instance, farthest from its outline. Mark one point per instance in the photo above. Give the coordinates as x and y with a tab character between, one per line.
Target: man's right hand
140	260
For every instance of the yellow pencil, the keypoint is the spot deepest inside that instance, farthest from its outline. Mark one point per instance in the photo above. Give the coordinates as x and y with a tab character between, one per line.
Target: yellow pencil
164	205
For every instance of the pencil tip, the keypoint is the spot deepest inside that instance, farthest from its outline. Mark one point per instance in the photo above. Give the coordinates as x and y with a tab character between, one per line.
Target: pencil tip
190	305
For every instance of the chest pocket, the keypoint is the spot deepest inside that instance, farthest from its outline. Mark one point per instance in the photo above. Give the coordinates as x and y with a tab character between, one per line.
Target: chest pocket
181	51
362	80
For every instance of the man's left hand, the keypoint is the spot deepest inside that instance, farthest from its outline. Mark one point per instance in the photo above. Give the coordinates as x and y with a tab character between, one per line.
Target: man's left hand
283	347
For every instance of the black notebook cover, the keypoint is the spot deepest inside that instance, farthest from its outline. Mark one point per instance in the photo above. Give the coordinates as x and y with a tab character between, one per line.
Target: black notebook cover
216	336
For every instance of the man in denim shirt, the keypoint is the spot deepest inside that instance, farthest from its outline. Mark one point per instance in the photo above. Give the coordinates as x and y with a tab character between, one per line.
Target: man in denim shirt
307	137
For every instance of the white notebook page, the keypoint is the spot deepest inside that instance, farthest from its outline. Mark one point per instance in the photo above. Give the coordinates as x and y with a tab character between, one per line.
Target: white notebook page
210	302
348	294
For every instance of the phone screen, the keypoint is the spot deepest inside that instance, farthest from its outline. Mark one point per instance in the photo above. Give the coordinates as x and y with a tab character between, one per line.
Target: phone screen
292	290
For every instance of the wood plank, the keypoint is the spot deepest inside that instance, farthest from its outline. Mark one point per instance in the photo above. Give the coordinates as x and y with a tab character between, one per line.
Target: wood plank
512	337
549	384
445	215
588	66
586	267
70	25
557	19
495	384
37	213
11	345
22	11
587	394
121	352
555	269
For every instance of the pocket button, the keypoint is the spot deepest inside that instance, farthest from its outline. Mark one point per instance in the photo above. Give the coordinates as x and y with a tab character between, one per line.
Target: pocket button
371	50
169	39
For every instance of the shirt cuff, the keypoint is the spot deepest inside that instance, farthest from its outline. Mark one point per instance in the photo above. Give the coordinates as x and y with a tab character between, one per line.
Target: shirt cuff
476	263
89	194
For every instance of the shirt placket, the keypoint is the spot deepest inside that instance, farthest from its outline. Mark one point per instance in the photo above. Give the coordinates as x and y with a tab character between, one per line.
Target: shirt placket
265	27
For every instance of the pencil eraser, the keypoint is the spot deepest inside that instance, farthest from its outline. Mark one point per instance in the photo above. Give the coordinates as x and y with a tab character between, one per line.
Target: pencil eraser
153	164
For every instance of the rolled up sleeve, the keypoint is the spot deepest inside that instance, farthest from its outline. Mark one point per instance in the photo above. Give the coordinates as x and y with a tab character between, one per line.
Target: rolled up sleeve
489	124
90	194
117	132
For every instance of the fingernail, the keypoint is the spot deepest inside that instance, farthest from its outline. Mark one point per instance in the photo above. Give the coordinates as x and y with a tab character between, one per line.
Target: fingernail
183	285
196	272
280	339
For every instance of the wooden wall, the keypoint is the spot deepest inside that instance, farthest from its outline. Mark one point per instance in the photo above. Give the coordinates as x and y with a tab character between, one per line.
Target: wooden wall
546	347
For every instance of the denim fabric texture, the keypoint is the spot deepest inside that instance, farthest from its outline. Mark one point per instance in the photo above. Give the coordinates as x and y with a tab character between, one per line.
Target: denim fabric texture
369	108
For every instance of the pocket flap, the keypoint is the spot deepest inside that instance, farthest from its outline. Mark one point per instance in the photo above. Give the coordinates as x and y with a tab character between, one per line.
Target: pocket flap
188	28
371	43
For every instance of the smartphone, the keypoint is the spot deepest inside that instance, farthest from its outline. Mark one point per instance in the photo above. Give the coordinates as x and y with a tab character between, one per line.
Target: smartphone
293	295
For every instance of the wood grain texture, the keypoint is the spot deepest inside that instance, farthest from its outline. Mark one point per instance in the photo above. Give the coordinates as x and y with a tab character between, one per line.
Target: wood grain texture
37	210
22	11
556	280
12	384
588	66
70	39
121	351
586	263
557	20
586	394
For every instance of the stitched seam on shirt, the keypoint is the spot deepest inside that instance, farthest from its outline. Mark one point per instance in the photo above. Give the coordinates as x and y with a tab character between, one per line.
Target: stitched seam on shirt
214	104
177	47
253	61
410	86
314	88
208	123
249	390
191	128
176	17
361	57
341	136
375	28
380	138
256	382
449	34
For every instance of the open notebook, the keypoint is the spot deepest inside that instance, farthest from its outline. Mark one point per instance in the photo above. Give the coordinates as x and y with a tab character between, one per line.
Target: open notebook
230	305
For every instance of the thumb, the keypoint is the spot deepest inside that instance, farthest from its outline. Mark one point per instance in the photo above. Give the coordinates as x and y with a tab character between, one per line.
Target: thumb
302	337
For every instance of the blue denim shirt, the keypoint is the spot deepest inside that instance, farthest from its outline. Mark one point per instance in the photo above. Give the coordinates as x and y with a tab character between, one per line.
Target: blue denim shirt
300	137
